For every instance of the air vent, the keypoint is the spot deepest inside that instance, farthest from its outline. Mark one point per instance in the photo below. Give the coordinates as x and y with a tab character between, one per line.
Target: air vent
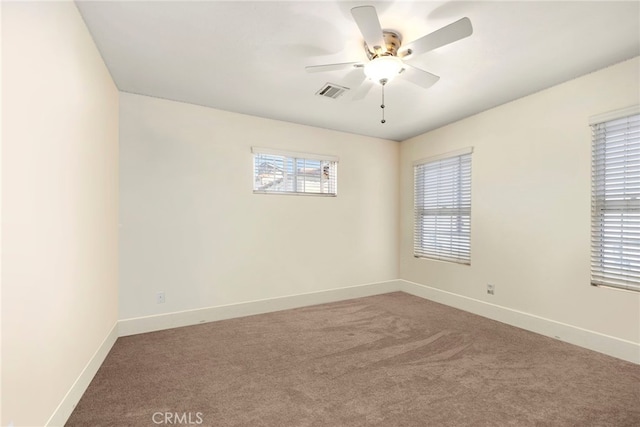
331	90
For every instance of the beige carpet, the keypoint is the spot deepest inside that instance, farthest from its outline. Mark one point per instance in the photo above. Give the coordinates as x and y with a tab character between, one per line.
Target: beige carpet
388	360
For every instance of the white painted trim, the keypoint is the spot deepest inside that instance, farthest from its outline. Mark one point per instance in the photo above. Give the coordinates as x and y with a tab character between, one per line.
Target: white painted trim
450	154
71	399
612	346
159	322
294	154
614	115
595	341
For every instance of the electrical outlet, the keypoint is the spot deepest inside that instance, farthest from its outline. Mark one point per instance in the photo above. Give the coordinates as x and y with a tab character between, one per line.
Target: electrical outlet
160	298
490	289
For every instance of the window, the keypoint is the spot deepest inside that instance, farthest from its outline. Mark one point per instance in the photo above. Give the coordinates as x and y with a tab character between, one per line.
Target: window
443	207
294	173
615	200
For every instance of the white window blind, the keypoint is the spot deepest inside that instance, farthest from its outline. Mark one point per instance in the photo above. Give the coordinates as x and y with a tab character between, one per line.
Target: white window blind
284	172
615	202
442	210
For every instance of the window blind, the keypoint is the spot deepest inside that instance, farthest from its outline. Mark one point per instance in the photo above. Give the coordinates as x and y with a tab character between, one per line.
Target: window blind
294	173
442	208
615	203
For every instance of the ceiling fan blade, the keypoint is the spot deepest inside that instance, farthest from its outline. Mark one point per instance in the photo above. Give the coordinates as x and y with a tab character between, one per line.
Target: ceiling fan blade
453	32
333	67
367	20
419	77
362	90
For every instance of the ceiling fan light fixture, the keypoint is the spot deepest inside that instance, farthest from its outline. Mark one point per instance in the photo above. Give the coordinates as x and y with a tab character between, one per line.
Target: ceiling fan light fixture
383	68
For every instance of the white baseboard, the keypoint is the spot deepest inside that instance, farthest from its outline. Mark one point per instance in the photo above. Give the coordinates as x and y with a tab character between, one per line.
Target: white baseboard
71	399
159	322
591	340
601	343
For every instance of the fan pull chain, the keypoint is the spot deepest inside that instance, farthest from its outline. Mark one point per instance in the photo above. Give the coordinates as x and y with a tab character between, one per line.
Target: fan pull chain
382	105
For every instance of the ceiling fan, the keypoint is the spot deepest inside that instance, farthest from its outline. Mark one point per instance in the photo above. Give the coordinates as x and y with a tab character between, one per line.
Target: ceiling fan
387	55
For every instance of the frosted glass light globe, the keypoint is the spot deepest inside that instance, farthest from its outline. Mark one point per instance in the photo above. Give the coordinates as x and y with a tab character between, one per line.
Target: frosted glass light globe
383	68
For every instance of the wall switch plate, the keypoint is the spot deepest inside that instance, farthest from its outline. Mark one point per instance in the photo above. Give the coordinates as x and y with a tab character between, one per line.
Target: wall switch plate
490	289
160	298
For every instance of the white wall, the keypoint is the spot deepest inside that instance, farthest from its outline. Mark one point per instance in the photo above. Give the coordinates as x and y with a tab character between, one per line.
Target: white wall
191	226
530	205
0	217
60	207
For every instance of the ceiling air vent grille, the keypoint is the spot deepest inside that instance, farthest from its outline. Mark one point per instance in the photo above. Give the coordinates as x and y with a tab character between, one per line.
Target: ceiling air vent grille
332	91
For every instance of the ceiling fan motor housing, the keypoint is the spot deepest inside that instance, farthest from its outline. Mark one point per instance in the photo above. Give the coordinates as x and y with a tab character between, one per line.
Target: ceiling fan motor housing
392	40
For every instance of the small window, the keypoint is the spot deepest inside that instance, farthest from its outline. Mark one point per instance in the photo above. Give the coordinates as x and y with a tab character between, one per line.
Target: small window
615	200
442	198
283	172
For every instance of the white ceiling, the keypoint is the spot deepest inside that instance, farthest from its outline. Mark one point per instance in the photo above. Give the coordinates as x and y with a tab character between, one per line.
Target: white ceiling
249	57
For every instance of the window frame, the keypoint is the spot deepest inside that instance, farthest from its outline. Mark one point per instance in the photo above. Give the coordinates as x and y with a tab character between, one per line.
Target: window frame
328	168
454	247
619	271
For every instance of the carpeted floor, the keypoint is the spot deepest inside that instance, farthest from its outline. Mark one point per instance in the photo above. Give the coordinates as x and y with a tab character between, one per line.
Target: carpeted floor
387	360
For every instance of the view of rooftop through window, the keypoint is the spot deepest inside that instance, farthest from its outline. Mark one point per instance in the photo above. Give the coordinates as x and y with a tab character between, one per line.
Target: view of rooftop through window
283	174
